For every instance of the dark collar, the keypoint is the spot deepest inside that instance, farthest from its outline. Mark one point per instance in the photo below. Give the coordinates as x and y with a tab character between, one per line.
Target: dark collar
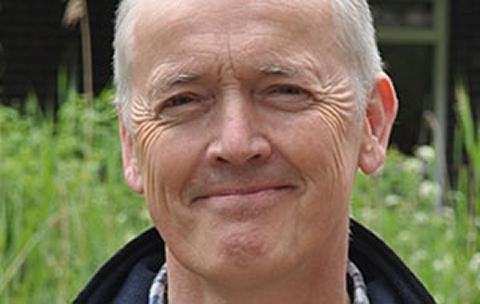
127	276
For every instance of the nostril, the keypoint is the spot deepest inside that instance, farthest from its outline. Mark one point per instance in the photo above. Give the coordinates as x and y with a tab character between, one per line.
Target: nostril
238	148
237	157
220	159
256	156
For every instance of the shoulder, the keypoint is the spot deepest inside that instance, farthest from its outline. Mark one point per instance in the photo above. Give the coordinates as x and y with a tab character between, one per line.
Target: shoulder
388	279
126	277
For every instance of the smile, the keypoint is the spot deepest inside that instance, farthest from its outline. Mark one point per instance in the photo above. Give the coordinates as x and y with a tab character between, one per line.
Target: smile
244	194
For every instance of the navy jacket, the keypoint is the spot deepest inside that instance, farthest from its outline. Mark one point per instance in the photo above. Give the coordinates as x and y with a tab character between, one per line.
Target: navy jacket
126	278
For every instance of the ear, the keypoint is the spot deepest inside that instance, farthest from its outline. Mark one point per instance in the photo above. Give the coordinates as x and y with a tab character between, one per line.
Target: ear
380	112
131	169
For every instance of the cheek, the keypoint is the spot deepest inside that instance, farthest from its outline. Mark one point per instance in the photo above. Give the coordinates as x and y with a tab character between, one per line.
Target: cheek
168	162
326	158
323	145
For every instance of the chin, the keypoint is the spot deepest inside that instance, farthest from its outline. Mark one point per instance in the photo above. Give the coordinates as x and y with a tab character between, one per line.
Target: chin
244	253
240	263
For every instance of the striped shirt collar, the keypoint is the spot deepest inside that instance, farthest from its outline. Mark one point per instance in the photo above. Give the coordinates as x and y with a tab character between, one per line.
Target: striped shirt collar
358	295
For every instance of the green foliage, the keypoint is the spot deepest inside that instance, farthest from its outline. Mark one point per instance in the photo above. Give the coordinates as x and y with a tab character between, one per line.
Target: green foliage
64	207
398	203
469	141
61	213
471	136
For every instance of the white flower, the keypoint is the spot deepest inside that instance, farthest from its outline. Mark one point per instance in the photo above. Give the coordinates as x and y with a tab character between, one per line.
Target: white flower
412	165
426	153
420	217
474	264
443	264
392	200
419	256
428	189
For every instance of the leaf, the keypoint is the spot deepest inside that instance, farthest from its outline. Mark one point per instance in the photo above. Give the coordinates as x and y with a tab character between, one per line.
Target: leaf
466	119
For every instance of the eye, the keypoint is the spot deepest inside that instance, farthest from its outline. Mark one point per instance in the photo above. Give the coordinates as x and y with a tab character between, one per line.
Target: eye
286	97
180	100
286	90
183	105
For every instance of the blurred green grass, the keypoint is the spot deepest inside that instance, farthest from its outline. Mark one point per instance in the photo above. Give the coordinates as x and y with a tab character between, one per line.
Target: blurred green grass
64	207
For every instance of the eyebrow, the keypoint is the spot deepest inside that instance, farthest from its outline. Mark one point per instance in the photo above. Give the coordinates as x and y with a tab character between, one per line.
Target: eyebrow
179	78
277	69
161	80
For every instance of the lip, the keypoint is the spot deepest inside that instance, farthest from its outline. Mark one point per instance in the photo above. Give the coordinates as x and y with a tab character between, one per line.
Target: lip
231	192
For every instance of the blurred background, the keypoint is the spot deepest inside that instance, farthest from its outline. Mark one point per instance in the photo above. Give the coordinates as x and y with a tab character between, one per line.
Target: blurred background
64	207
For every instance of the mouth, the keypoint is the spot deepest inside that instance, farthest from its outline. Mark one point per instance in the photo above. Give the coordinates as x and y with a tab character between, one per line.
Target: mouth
243	192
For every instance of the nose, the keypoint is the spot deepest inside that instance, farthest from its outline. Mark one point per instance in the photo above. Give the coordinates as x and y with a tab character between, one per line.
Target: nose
239	139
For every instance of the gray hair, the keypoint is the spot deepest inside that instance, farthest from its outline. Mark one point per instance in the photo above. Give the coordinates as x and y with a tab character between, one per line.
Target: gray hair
122	42
356	36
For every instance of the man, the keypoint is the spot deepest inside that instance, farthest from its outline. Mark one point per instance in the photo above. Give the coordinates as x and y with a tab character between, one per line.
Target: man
243	123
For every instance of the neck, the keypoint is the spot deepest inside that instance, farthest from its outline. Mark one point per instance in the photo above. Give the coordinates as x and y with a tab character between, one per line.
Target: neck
316	281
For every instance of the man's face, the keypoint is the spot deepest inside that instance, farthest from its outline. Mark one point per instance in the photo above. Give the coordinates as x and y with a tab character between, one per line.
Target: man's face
246	131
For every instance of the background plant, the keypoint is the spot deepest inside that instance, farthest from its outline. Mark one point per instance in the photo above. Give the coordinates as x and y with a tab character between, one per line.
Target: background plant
468	158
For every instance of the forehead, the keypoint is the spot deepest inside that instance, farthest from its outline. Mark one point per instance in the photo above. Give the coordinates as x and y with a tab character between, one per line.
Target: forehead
187	12
174	30
165	21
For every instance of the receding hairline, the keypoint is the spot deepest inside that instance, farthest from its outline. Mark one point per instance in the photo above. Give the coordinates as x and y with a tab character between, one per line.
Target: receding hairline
128	20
